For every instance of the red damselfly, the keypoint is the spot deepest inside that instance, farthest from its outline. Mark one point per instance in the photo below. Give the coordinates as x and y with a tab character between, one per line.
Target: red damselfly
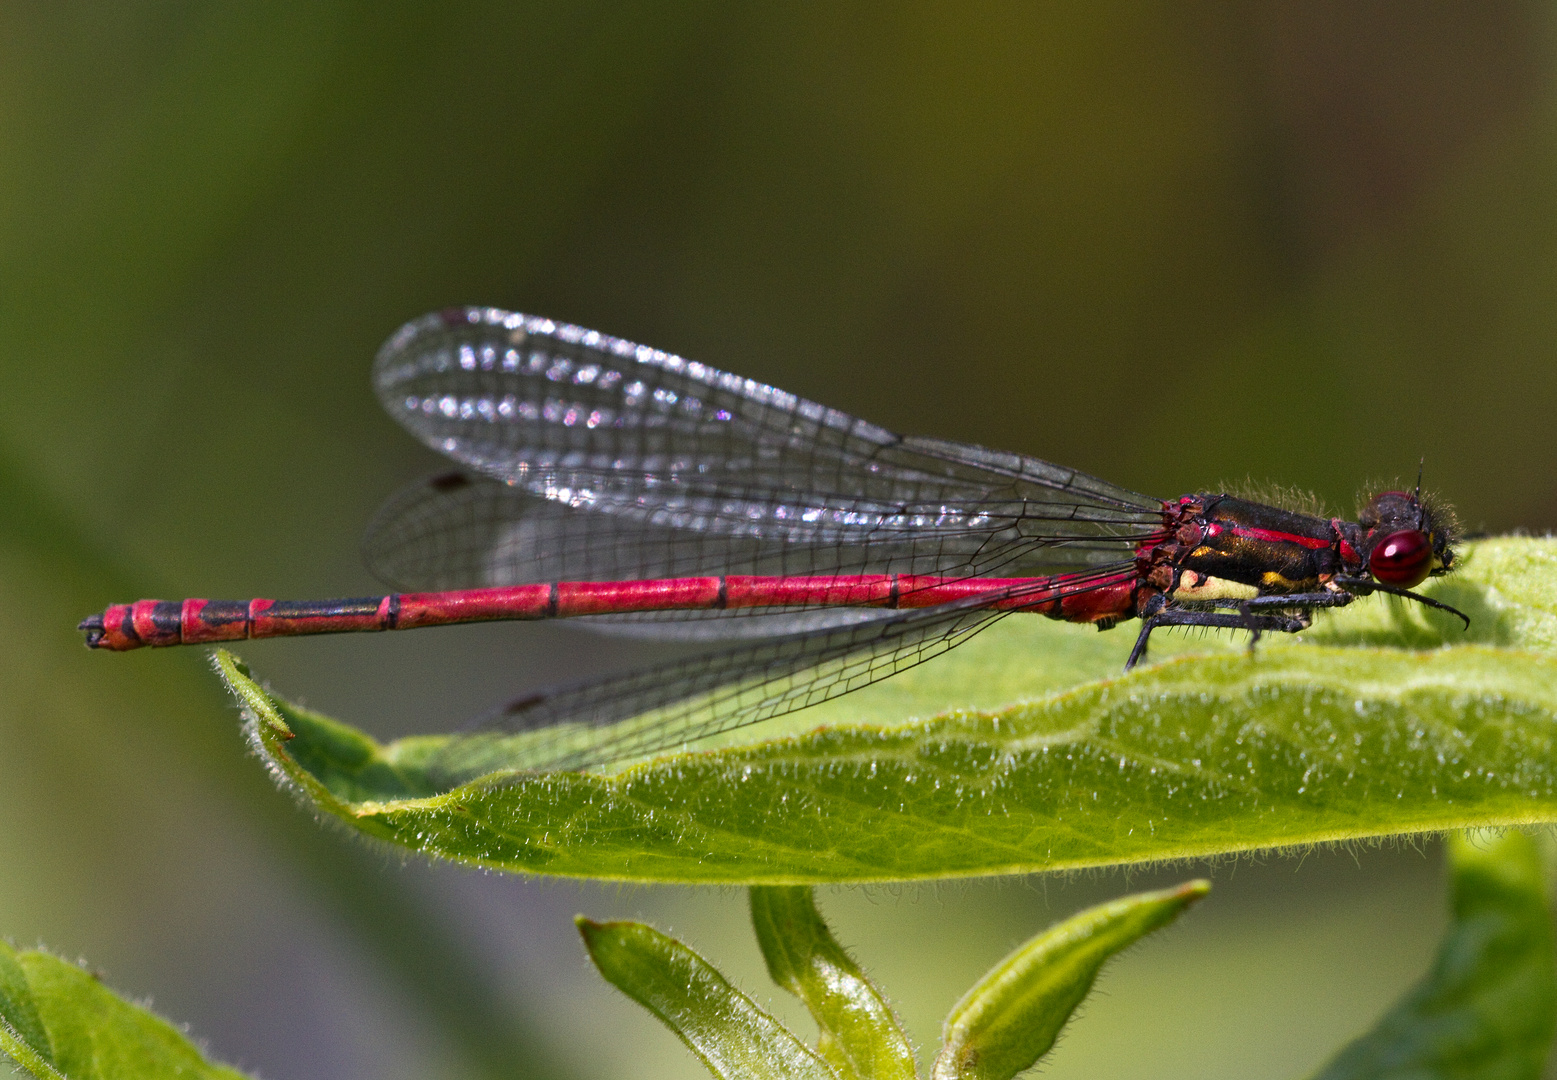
619	483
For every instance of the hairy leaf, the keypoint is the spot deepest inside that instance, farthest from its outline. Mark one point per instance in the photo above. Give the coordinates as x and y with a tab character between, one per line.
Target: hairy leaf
860	1037
1381	729
1011	1017
730	1035
1488	1007
58	1021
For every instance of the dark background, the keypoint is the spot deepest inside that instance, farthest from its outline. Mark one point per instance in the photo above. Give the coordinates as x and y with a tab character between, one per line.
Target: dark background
1172	244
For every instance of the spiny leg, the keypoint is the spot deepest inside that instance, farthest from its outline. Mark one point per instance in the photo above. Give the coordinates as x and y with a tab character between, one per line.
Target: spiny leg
1171	616
1278	600
1305	602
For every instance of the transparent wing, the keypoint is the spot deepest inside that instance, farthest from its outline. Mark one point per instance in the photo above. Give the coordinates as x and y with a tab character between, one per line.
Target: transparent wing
458	531
594	423
626	716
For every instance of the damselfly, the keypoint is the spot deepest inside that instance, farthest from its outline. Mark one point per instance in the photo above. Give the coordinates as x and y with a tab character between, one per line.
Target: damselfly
618	483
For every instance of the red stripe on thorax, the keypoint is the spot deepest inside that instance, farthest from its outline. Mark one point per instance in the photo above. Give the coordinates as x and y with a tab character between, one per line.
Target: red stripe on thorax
1273	536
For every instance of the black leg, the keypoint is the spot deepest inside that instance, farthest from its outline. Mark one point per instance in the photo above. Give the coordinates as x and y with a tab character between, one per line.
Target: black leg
1324	598
1171	616
1277	600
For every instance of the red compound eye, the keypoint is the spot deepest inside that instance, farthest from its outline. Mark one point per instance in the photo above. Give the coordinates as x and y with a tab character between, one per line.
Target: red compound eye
1402	559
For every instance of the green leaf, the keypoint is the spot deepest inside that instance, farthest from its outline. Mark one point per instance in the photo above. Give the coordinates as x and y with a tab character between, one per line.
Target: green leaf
57	1021
860	1037
725	1029
1488	1008
928	775
22	1034
1012	1015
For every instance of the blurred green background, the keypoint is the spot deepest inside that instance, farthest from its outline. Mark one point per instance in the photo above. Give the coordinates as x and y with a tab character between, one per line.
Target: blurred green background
1172	244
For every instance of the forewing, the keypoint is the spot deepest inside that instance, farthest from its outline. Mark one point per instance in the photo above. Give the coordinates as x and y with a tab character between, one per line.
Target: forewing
710	471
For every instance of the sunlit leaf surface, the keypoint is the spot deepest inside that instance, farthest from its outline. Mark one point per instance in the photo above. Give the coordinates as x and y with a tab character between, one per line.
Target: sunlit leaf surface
58	1021
993	761
1488	1006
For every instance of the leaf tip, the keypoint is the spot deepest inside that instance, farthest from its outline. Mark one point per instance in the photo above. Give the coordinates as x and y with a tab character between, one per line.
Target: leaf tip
1192	891
589	930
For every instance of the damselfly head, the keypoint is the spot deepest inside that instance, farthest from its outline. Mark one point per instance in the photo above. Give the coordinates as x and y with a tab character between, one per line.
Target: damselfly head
1407	537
